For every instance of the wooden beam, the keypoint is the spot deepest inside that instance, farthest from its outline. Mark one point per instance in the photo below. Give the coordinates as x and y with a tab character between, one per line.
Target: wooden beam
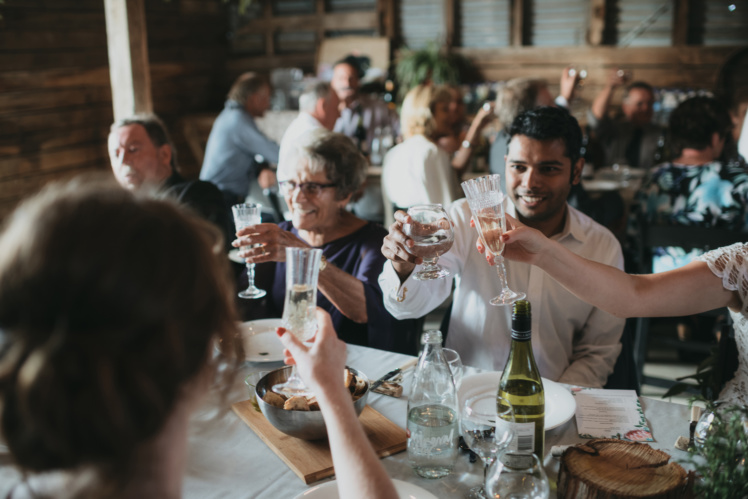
680	23
312	22
517	23
597	22
127	43
449	23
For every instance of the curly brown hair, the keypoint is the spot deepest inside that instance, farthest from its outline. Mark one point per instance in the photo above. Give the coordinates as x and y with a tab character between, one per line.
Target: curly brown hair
111	303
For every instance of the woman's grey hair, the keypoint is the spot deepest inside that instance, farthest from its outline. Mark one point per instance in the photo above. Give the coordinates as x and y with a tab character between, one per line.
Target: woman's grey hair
517	96
338	157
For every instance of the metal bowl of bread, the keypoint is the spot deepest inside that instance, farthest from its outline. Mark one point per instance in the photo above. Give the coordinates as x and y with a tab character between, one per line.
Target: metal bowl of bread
300	417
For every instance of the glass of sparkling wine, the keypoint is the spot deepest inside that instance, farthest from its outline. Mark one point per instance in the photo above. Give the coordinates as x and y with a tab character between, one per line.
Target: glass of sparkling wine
482	424
431	230
302	270
248	214
487	206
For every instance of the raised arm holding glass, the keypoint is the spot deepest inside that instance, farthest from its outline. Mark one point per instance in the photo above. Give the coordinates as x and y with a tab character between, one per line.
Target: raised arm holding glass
577	343
317	185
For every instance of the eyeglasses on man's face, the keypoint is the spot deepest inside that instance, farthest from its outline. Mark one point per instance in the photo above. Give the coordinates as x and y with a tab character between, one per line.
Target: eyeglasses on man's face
308	188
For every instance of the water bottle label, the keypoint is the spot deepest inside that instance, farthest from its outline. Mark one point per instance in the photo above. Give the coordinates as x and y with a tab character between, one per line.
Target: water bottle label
422	444
524	435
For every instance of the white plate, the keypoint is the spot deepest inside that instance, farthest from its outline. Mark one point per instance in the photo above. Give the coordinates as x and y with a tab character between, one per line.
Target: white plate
560	405
234	256
261	344
601	185
329	490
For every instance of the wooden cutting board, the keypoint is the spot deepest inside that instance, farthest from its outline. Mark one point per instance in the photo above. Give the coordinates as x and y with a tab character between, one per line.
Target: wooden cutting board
311	460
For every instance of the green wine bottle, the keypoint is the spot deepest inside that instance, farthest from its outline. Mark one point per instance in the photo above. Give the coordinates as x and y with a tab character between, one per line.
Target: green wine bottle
521	385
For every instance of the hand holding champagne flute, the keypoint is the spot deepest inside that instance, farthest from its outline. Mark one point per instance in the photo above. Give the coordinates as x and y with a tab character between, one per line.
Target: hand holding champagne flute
487	206
431	231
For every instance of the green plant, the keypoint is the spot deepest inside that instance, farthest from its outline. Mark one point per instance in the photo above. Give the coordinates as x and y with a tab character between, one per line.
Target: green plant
721	462
431	65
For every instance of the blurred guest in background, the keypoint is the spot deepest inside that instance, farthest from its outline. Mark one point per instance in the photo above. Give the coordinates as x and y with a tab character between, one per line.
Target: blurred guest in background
520	95
318	108
326	171
360	115
696	188
577	343
418	171
143	157
460	142
630	138
238	154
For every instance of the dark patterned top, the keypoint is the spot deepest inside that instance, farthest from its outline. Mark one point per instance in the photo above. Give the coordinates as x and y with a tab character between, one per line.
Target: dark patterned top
711	195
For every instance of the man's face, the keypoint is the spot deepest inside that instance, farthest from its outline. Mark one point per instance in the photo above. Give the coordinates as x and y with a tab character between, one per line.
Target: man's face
135	160
344	81
328	110
544	98
258	102
538	180
637	106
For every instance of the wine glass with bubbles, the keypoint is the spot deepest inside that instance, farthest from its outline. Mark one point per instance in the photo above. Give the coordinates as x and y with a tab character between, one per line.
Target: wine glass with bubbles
299	308
483	425
431	231
487	207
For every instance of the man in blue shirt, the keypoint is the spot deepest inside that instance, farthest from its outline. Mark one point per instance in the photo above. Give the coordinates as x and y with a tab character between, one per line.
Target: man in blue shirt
238	153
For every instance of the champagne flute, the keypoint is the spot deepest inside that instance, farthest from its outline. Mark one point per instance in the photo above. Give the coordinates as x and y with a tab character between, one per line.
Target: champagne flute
302	271
431	230
483	426
246	214
519	476
487	206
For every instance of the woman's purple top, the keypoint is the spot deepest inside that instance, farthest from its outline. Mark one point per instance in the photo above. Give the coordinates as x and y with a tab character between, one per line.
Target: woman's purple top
359	254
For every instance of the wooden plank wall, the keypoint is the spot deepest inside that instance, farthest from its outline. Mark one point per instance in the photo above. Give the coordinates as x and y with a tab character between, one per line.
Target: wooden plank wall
55	96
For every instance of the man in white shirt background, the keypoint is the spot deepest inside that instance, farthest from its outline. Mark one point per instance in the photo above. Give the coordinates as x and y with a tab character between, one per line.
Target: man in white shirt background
573	342
318	108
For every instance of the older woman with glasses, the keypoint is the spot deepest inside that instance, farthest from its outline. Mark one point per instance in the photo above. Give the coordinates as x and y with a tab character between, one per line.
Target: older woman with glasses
325	171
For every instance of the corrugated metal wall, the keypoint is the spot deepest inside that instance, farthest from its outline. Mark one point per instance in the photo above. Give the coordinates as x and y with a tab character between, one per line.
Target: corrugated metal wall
557	23
421	22
654	16
725	23
484	23
350	5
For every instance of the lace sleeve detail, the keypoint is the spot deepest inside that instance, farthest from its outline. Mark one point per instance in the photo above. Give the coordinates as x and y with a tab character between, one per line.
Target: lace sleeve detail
731	264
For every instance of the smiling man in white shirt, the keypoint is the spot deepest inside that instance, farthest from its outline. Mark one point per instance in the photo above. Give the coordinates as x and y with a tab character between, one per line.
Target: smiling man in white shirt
573	342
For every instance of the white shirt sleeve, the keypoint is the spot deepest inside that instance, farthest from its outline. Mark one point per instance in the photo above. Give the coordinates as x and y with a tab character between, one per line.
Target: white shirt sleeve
413	298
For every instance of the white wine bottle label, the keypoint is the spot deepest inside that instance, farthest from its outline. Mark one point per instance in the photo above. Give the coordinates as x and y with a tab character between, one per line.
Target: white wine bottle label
524	435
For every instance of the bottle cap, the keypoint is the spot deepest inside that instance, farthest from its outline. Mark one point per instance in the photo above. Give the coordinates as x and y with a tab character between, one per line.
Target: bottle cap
521	316
431	336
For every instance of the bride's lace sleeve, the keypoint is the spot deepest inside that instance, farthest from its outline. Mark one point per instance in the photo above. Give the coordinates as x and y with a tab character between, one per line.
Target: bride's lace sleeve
731	264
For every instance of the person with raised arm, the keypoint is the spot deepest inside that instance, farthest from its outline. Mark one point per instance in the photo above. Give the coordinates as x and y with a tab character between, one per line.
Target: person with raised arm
357	468
716	279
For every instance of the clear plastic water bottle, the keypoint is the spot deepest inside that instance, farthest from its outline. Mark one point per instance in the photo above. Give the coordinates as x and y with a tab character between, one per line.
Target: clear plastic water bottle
433	415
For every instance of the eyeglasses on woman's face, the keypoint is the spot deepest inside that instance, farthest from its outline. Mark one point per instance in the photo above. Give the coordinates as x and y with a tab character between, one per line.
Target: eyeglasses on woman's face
310	189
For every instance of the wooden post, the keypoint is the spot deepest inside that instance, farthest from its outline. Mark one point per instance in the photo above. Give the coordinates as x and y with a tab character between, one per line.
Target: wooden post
597	22
517	25
267	13
680	23
449	23
129	70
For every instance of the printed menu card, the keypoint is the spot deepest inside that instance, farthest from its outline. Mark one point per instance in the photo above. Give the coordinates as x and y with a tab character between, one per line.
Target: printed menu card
611	414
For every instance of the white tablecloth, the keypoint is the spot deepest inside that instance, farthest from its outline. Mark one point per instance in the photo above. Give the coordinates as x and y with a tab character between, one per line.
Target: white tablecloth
227	460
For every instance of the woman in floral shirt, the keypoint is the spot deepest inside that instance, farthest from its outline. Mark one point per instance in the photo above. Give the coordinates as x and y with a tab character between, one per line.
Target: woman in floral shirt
696	188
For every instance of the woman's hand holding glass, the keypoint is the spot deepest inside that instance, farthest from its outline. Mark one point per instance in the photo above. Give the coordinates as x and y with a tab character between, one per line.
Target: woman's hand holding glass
431	231
265	243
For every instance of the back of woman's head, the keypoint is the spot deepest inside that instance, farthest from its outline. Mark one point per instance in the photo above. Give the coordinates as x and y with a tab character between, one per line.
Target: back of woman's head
695	121
108	305
417	111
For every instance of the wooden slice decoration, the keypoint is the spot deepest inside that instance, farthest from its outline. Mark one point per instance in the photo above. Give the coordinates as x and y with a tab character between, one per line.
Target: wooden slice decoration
616	469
